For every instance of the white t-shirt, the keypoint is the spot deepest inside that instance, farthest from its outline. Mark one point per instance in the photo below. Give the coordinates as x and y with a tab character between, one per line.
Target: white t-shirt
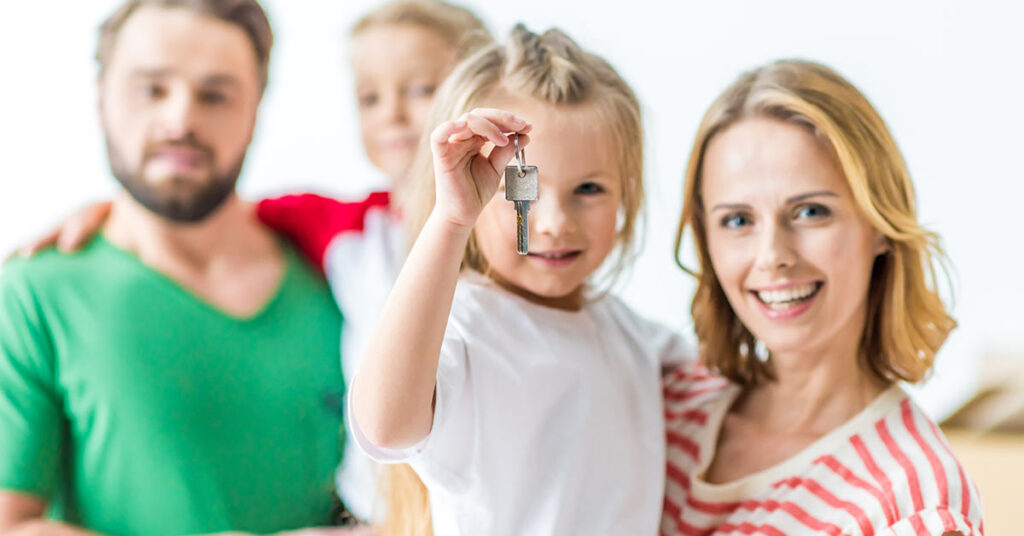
546	421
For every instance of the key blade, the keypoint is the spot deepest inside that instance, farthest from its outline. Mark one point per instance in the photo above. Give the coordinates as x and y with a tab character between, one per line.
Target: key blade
522	227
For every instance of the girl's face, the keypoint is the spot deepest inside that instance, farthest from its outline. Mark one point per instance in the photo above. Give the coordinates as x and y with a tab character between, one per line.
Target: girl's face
788	243
574	221
397	68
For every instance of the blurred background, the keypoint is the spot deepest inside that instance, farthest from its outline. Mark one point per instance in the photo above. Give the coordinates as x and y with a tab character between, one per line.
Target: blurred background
947	76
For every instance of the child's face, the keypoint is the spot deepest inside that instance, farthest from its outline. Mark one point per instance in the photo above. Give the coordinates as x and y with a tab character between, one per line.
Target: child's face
573	223
397	68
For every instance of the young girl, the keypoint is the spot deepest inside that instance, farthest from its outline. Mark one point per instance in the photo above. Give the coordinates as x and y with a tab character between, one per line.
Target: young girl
527	402
401	52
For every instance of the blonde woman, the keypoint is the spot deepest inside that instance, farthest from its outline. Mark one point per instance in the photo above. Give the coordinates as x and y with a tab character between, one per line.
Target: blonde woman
815	297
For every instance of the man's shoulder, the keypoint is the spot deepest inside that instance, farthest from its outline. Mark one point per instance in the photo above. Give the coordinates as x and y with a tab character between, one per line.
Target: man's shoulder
49	267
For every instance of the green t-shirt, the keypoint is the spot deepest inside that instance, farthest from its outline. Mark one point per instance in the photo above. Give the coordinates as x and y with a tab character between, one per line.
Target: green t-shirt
135	407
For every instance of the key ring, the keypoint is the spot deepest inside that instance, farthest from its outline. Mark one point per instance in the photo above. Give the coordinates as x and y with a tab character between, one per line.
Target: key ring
520	156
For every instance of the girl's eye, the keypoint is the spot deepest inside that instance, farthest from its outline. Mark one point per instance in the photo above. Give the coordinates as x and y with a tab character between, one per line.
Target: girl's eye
589	188
151	91
813	211
735	221
422	91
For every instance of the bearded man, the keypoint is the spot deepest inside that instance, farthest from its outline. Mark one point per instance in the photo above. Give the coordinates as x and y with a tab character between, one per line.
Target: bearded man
172	377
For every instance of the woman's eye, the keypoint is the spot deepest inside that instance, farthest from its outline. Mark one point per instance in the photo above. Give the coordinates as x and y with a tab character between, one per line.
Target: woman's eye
589	188
813	211
735	221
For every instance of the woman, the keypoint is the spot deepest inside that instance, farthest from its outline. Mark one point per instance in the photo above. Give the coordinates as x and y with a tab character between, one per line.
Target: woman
815	297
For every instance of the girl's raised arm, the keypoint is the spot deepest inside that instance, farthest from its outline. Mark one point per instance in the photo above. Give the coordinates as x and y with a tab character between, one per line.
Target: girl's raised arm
392	396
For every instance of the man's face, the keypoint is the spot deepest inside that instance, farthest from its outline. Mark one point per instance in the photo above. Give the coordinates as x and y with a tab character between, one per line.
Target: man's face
178	102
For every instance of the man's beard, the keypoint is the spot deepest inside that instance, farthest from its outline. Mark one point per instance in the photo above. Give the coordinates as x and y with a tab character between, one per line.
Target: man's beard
182	202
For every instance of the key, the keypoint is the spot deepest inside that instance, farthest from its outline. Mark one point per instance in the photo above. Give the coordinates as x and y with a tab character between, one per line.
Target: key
521	188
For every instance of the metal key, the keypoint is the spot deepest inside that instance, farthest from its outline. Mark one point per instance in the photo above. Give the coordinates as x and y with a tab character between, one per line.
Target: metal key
521	188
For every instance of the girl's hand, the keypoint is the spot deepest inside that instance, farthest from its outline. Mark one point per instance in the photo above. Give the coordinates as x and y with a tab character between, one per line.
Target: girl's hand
466	175
73	233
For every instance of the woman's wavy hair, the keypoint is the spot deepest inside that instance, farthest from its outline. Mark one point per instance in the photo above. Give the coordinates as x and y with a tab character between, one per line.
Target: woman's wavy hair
907	321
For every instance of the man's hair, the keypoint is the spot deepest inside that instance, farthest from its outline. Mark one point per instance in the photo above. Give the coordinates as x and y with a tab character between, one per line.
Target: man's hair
246	14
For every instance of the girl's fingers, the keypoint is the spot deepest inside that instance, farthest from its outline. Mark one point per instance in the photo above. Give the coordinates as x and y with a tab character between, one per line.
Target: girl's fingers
504	121
502	156
487	123
484	128
445	131
43	242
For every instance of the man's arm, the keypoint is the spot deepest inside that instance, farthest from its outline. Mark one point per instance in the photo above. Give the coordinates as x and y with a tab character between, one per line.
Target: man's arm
22	515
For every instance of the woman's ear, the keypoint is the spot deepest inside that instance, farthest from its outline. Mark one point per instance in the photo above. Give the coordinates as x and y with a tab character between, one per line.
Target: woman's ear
881	244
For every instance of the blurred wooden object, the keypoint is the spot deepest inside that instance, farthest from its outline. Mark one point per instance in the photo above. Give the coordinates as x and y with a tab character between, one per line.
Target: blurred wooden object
999	404
987	434
996	463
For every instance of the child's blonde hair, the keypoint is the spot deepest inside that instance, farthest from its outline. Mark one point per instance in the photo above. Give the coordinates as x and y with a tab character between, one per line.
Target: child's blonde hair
550	68
906	320
457	25
553	69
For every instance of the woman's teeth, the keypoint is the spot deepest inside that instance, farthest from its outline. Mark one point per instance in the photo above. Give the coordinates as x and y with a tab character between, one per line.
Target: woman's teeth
785	298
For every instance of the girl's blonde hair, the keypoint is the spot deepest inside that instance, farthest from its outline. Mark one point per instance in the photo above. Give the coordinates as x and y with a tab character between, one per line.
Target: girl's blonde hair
550	68
906	319
457	25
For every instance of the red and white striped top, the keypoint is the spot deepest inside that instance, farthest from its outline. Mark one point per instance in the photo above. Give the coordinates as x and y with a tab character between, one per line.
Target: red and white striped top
887	471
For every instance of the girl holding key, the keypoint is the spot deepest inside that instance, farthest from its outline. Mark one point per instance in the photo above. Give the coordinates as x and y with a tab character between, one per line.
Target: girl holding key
526	399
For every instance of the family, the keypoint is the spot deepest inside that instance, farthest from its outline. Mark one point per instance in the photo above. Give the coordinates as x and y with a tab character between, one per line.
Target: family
184	362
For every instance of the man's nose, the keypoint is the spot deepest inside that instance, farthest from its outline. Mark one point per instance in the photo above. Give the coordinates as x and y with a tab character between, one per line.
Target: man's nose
177	115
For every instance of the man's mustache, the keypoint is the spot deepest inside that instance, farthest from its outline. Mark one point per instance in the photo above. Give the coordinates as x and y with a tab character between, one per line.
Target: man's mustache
186	143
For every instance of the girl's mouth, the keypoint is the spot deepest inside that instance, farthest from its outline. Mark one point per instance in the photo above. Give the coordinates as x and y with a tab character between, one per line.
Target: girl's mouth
555	258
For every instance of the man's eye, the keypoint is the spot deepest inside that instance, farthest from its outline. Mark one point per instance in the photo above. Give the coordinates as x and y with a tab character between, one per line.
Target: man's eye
589	188
212	97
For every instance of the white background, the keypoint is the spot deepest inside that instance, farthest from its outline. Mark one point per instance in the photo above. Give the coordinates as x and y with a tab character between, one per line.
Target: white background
947	77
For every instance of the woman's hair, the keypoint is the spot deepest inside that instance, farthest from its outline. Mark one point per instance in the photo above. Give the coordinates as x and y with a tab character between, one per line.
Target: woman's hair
550	68
457	25
553	69
906	319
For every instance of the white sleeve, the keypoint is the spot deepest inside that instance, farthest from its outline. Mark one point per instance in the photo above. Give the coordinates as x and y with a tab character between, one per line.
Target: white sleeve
671	349
674	351
450	417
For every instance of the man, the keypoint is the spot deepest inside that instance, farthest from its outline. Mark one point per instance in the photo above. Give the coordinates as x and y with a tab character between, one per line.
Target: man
171	377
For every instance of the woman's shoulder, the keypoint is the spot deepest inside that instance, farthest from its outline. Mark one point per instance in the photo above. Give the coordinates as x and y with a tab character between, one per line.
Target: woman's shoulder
903	454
